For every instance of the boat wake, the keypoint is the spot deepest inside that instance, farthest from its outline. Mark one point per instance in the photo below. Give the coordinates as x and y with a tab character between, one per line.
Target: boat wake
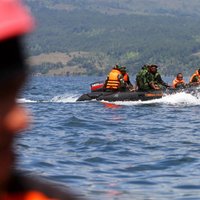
181	98
24	100
67	98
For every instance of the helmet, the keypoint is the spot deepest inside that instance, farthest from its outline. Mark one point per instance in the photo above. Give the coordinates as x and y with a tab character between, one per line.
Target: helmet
15	19
123	68
119	67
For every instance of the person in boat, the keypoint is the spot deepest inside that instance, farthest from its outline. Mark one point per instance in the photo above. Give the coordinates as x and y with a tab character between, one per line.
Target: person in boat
15	21
117	79
179	82
141	82
126	78
149	79
195	78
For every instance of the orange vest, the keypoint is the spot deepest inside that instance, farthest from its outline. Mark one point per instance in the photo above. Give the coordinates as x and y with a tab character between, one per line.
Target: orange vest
126	77
176	82
195	74
32	195
113	80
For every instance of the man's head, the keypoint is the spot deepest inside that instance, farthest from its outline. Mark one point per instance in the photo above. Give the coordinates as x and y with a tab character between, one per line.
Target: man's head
199	71
15	21
179	76
152	68
123	70
117	67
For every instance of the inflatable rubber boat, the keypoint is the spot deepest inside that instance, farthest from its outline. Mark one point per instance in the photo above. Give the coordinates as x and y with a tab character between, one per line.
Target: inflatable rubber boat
98	94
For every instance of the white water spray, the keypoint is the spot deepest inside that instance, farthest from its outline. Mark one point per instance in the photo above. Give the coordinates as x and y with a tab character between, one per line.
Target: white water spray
181	98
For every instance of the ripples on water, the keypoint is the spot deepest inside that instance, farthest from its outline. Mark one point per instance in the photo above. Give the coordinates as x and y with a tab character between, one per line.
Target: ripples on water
129	150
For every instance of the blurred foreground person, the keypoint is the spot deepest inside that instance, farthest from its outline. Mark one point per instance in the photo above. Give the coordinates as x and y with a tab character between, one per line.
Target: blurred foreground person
15	21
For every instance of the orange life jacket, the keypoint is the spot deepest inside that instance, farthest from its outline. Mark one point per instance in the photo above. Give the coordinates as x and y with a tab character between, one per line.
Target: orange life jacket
176	82
195	74
113	79
126	77
31	195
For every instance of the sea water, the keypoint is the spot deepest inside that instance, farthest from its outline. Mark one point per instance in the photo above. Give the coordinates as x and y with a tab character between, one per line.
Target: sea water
125	150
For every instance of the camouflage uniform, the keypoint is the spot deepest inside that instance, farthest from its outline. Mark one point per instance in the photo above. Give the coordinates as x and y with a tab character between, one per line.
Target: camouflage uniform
144	80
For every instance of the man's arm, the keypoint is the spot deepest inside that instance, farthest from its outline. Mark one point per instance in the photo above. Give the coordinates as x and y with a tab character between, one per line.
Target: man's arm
121	80
150	80
159	80
129	82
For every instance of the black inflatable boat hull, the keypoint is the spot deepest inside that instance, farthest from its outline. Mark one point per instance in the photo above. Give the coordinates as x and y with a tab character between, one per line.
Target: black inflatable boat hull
121	96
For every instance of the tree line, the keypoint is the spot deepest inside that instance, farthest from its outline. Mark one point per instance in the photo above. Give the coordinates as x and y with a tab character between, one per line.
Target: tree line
132	40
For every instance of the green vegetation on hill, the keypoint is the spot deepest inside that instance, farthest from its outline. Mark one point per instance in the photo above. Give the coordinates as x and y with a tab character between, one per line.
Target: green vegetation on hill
171	41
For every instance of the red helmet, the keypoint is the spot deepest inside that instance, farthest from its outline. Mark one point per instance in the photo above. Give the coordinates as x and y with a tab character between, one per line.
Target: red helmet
15	19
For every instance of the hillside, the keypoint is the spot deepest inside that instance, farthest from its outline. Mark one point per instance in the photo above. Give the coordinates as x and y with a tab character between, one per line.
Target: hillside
129	32
113	7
